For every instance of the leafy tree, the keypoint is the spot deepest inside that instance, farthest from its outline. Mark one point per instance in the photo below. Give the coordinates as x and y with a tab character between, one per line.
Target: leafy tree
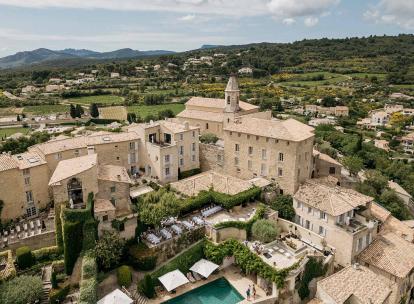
146	286
284	206
265	230
94	110
21	290
167	113
72	111
53	280
376	180
208	138
131	117
79	111
391	201
157	206
328	101
109	250
313	269
353	163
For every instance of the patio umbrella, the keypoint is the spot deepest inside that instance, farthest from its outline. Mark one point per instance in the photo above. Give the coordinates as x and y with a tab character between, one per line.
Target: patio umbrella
116	297
173	279
204	267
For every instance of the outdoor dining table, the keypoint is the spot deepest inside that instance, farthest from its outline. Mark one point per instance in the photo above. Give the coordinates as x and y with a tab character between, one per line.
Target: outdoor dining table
187	225
166	234
176	229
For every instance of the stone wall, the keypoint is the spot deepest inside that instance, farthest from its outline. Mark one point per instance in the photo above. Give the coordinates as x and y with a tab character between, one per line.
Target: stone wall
220	235
45	239
211	157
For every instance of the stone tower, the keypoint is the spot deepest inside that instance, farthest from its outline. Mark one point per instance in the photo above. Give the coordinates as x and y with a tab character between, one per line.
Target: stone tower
232	95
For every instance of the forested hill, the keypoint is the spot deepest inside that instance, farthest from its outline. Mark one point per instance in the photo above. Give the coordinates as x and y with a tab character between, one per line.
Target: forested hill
393	55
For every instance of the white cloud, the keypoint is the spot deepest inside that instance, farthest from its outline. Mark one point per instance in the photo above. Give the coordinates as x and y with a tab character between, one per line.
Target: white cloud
300	8
187	18
217	7
398	12
311	21
116	37
288	21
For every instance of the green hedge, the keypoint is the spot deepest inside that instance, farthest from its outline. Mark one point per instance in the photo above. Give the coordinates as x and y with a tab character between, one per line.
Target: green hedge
246	260
58	226
72	239
213	197
260	212
89	282
59	295
183	261
82	232
47	254
124	276
188	173
146	286
24	257
140	257
58	266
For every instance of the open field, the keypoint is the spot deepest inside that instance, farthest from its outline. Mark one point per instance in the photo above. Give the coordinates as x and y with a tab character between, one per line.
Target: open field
144	110
6	132
46	109
99	99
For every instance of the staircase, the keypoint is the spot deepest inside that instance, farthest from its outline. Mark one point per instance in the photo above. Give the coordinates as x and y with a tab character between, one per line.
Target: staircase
140	299
47	285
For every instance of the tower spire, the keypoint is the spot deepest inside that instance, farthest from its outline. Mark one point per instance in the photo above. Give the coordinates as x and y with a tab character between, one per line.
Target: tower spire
232	94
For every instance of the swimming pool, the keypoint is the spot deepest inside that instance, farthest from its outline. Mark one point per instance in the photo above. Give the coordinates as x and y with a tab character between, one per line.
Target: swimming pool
217	291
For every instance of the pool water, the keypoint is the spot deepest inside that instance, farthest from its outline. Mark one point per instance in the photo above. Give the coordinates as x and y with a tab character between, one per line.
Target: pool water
218	291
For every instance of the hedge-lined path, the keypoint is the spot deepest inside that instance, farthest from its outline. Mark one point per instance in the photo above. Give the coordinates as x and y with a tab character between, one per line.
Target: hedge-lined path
47	285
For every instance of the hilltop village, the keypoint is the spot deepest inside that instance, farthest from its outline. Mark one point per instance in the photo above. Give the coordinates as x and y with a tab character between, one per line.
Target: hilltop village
223	195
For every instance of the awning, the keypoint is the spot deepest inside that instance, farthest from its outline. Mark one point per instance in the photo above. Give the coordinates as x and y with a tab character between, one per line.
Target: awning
116	297
173	279
134	193
204	267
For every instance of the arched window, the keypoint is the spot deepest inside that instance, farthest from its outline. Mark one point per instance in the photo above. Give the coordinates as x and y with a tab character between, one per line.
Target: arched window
228	100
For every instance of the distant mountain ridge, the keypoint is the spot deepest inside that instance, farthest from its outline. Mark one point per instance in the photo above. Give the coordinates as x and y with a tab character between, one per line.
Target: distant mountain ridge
42	55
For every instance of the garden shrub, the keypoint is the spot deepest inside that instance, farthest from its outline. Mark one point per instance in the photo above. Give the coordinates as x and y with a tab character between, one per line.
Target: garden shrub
124	275
24	257
313	269
47	254
58	295
58	266
87	294
265	231
146	286
89	266
21	290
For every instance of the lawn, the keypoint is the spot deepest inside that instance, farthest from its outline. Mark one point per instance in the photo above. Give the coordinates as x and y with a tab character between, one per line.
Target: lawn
99	99
46	109
6	132
144	110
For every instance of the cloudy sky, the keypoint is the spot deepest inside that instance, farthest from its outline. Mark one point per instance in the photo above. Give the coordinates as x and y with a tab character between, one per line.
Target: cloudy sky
187	24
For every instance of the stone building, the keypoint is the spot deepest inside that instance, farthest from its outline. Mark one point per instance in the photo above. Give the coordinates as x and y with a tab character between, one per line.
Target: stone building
211	115
30	180
338	214
279	150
